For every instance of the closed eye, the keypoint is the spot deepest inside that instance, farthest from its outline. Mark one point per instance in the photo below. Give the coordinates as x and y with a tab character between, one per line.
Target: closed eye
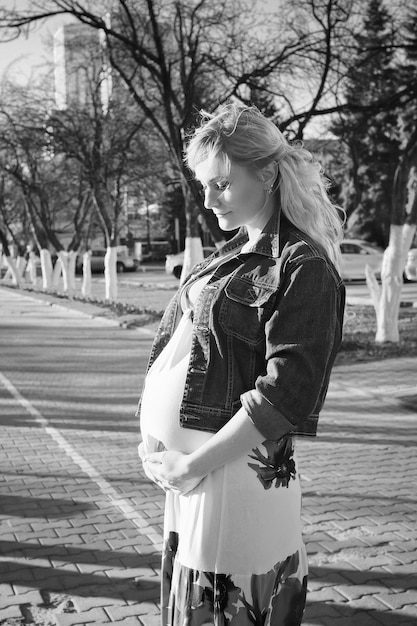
222	185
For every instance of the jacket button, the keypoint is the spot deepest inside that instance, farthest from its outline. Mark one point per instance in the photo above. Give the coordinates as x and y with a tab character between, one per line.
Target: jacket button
198	370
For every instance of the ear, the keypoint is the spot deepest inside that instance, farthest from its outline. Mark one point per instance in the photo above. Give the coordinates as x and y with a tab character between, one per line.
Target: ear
269	175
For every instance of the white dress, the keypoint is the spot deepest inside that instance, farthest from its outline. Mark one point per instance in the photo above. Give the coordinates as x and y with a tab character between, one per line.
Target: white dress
237	535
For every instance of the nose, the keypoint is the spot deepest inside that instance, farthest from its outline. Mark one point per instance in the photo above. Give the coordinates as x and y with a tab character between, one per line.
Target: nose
211	197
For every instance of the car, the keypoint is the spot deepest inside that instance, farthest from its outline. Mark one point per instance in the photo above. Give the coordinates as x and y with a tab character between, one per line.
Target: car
174	262
410	270
124	262
356	255
152	251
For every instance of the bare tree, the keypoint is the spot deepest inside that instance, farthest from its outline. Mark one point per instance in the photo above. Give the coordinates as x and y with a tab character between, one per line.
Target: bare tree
176	57
8	216
113	149
47	193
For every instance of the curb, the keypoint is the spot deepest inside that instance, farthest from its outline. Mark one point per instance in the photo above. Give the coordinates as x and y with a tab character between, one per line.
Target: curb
366	301
99	318
113	322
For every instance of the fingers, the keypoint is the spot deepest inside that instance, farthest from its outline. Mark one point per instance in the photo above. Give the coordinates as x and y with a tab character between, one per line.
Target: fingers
154	457
141	451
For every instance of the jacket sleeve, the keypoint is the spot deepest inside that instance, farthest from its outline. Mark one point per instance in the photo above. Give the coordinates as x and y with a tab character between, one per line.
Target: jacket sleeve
303	336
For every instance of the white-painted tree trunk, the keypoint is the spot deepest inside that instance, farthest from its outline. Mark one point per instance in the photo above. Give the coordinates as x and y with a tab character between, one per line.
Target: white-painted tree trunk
31	269
66	260
193	253
21	265
12	271
110	273
86	284
46	267
386	297
72	258
56	275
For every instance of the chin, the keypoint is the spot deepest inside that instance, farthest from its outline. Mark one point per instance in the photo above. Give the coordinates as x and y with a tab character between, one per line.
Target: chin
227	225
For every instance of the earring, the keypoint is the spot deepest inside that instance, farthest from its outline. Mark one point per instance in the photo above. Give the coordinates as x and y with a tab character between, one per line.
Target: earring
270	188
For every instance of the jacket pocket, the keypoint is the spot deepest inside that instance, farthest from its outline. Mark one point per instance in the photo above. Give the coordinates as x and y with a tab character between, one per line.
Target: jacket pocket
245	308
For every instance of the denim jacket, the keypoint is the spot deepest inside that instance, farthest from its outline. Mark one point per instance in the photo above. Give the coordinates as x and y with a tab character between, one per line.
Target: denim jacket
266	330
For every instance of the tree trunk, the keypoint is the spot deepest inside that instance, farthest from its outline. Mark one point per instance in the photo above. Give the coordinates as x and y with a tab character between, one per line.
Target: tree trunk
86	284
56	275
21	266
72	258
66	262
387	297
31	268
46	267
110	273
193	253
63	261
13	271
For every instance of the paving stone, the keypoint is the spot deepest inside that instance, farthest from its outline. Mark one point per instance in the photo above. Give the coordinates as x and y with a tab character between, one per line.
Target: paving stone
150	620
86	617
399	600
329	594
134	610
85	603
75	530
318	610
355	592
398	618
368	603
16	574
357	617
10	612
21	598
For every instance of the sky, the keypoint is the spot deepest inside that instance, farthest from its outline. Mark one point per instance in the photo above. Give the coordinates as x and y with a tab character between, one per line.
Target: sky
22	56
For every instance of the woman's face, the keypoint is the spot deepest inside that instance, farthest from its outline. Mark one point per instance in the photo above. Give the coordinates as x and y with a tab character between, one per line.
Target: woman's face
239	199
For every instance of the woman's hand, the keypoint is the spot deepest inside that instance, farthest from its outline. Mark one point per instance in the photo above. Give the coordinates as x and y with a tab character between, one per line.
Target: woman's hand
171	470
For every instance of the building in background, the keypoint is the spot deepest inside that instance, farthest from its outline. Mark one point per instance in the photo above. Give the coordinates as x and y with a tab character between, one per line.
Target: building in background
83	77
81	71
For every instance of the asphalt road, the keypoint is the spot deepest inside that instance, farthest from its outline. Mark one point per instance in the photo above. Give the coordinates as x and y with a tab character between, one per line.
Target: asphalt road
356	291
78	375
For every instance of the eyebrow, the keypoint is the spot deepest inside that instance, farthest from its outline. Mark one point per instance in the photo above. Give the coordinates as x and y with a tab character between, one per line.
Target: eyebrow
215	179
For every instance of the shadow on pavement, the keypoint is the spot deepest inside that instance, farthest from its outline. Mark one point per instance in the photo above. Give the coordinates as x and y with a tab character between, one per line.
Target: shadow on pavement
108	573
129	576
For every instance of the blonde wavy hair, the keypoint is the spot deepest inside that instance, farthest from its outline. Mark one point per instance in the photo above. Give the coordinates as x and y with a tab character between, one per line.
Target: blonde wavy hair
243	135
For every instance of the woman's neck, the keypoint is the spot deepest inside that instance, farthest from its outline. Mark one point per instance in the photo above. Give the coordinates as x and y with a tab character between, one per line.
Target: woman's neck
256	227
254	233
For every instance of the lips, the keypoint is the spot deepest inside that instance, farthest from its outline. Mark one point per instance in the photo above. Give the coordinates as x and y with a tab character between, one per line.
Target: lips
221	214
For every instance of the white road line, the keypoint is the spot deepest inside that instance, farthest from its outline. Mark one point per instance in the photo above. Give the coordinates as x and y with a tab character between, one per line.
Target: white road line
105	487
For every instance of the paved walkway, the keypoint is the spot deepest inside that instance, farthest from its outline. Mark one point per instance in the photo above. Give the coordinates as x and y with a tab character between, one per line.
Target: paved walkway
92	557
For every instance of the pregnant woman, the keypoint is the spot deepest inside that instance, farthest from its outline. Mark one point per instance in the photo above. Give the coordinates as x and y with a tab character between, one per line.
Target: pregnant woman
240	366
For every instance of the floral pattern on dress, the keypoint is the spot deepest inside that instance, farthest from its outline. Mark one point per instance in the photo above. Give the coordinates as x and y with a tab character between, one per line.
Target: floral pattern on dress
195	598
278	465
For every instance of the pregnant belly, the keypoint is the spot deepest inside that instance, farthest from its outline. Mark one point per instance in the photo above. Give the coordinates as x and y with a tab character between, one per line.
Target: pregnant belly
159	415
